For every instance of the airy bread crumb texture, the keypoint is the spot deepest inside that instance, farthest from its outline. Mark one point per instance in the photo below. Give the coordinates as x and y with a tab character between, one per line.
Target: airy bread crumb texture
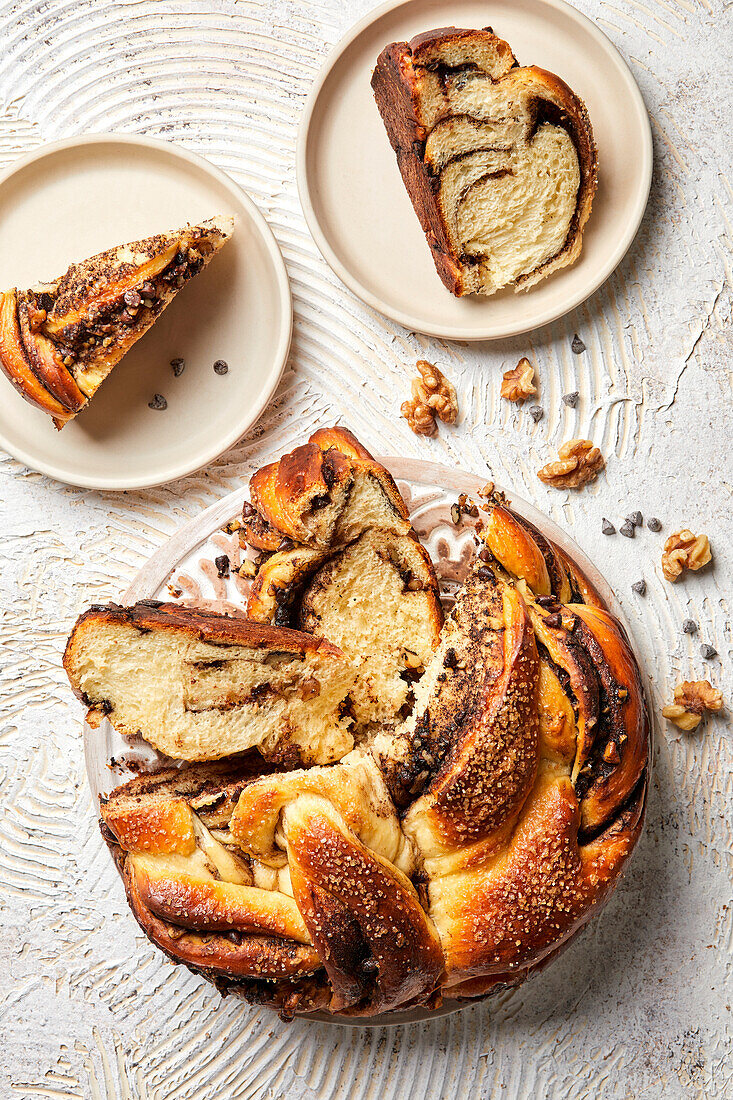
499	161
376	602
196	701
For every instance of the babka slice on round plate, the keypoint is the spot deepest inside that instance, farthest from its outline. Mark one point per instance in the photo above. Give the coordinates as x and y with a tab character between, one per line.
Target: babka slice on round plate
499	161
60	340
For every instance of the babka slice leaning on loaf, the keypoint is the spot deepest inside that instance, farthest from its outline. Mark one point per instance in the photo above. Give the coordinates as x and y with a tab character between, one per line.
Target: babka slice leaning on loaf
60	340
499	161
358	575
199	685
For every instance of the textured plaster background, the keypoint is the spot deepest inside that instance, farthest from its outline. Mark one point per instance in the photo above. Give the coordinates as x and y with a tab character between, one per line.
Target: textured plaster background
638	1007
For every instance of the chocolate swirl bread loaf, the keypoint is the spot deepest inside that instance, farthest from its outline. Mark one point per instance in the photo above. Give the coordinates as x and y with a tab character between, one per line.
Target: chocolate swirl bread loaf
60	340
499	161
475	820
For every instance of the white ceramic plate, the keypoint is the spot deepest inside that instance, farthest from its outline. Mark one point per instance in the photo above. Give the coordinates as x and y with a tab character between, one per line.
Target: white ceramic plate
183	571
359	212
69	200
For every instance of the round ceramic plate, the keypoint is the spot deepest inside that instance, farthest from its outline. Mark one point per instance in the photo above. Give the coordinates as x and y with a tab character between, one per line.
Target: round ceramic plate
72	199
358	209
183	571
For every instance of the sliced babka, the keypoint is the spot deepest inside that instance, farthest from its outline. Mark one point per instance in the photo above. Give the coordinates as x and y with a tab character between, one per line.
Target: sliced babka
60	340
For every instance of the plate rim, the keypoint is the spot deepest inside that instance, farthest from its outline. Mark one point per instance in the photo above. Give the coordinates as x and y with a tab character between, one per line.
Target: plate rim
153	573
414	323
284	291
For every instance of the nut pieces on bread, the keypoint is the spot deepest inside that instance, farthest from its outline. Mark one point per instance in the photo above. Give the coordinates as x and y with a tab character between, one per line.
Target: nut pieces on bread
60	340
489	774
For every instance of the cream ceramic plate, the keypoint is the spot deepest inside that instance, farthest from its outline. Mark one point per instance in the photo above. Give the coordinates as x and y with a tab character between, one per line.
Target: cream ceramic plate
183	571
72	199
358	210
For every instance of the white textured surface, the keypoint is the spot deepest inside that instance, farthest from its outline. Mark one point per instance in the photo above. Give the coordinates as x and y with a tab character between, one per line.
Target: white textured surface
638	1007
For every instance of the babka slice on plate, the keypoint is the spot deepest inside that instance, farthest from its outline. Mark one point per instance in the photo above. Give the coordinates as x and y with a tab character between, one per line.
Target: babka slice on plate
60	340
499	161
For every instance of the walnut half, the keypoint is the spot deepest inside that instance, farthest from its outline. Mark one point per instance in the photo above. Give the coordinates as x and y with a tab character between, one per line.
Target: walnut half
579	463
692	698
518	383
683	550
432	395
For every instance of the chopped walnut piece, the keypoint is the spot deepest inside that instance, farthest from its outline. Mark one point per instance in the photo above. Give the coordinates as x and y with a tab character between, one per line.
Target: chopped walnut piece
610	753
692	698
683	550
432	395
518	383
579	463
36	317
419	417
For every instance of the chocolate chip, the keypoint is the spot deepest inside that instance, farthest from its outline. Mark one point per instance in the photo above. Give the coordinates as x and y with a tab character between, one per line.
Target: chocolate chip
126	318
221	367
639	587
689	626
708	652
636	518
179	365
247	510
147	290
536	412
158	402
132	298
450	660
554	620
571	399
484	573
222	565
485	554
607	527
548	601
577	346
654	524
628	530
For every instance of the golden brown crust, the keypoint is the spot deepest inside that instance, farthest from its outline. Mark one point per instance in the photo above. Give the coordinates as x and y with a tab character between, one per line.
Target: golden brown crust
625	725
157	826
377	957
485	778
248	956
306	494
521	779
16	363
513	911
187	901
